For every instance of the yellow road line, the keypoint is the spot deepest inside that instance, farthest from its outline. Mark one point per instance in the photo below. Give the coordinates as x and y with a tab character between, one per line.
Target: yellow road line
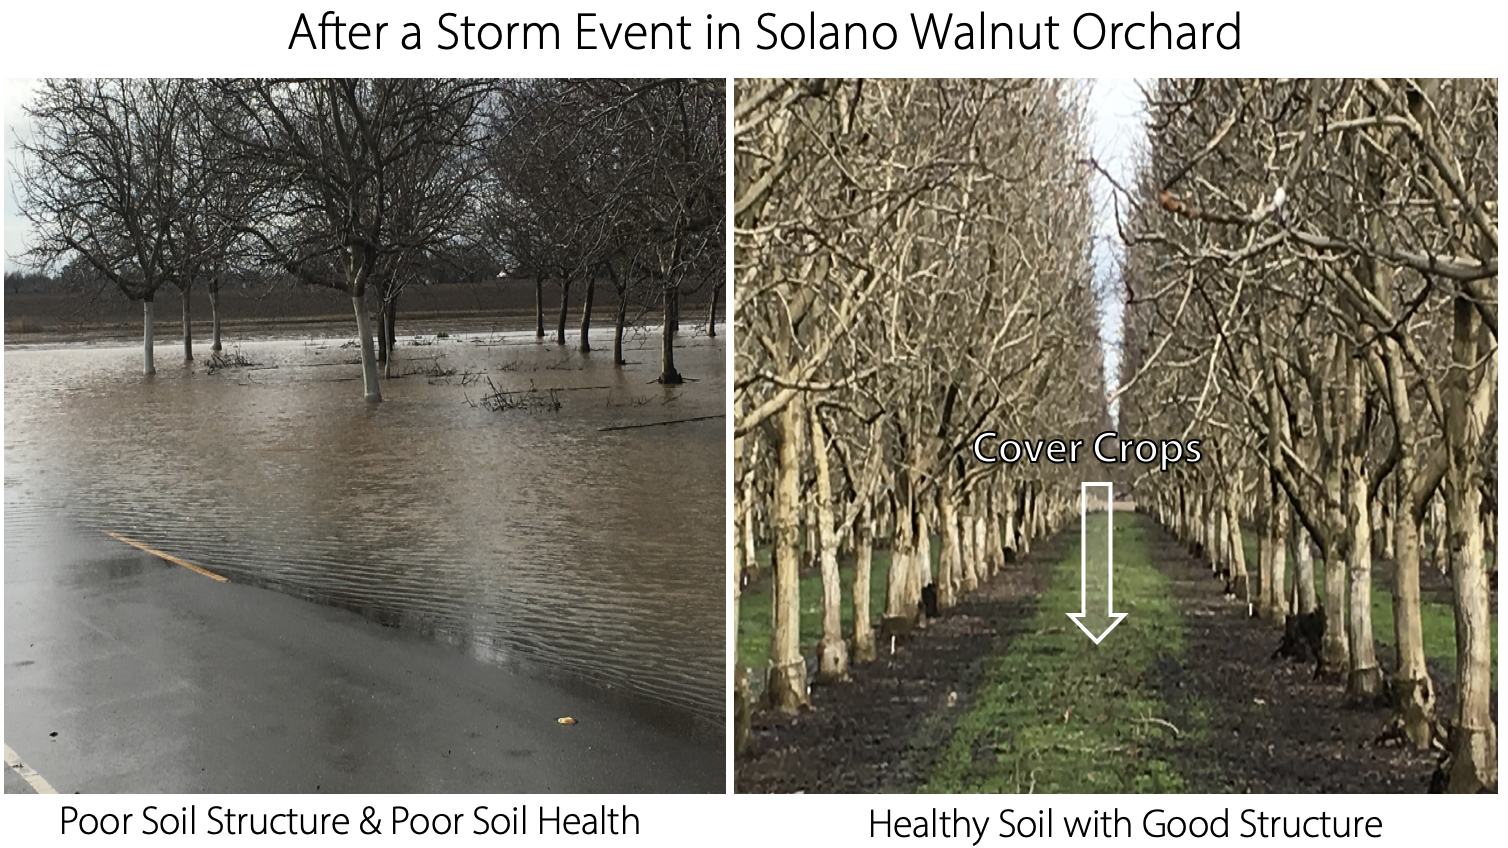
169	557
26	773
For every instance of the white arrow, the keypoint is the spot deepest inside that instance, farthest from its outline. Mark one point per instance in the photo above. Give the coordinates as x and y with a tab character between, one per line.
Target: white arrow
1078	617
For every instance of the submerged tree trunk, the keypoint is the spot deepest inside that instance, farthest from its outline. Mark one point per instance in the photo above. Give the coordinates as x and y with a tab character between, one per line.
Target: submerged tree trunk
618	328
147	310
390	330
565	305
539	307
214	312
368	355
586	314
188	328
668	374
382	333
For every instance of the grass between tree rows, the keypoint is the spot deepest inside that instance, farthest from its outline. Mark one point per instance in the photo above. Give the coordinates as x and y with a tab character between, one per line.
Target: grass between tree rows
1058	713
1438	616
755	622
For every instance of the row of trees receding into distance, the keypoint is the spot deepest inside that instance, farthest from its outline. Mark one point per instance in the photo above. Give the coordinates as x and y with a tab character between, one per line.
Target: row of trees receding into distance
912	263
1311	281
1309	289
366	186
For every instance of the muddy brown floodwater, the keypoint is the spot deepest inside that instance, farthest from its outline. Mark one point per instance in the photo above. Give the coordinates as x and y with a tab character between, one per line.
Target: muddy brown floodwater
531	539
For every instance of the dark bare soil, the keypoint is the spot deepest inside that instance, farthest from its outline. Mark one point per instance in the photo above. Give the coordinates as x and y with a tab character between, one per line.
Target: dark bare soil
1270	726
1263	724
881	731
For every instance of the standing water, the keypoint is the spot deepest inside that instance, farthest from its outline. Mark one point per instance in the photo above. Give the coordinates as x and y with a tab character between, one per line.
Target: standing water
558	541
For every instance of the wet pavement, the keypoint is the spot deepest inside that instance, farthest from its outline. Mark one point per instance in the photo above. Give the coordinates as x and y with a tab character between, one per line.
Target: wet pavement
125	673
476	575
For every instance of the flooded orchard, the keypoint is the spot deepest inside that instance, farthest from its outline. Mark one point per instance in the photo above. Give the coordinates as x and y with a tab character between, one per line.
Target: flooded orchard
565	542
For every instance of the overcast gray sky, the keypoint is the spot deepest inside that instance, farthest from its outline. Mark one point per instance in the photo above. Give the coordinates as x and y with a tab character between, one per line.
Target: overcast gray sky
1117	115
17	92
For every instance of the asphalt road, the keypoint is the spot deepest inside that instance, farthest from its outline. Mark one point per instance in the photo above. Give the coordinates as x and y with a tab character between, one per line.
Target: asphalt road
125	673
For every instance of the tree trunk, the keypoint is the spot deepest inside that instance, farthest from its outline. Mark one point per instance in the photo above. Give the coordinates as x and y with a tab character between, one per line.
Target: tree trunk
832	653
368	355
565	305
214	312
147	310
539	307
391	330
1240	580
1023	532
968	577
900	598
1009	541
949	563
863	631
994	553
785	685
712	313
586	314
1335	652
1302	551
923	573
1473	743
742	726
673	310
618	328
1440	531
1365	681
1413	690
981	541
188	328
668	374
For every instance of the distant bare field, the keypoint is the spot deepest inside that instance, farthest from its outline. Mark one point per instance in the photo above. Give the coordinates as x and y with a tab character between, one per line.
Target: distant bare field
260	311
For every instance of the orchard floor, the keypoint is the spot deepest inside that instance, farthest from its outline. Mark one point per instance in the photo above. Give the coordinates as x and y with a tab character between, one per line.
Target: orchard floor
995	696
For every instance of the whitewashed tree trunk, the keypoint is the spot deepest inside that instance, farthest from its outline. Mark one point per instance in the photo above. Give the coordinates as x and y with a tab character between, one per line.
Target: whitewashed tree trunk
368	354
949	564
863	631
1365	681
1302	551
1467	407
832	653
994	555
785	684
968	575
